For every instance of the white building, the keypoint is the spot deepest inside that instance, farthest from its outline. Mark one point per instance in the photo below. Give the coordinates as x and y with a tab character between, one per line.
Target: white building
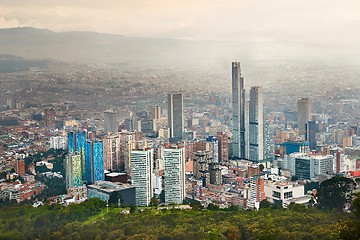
174	175
312	166
284	193
58	142
141	174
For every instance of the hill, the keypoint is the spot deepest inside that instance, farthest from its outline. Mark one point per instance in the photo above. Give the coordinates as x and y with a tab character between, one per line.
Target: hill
91	220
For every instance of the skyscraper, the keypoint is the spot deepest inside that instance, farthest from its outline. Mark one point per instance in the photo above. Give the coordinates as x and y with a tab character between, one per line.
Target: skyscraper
310	134
94	162
110	122
76	143
175	116
304	113
238	108
73	170
256	125
141	173
112	150
174	175
223	147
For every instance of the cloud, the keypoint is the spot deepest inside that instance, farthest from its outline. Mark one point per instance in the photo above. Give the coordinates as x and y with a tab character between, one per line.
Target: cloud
322	21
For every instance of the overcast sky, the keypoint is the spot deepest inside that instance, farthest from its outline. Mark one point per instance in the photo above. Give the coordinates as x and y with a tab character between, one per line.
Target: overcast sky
317	21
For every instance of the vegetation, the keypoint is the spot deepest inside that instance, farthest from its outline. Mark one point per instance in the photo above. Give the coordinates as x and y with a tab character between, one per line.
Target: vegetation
336	193
91	220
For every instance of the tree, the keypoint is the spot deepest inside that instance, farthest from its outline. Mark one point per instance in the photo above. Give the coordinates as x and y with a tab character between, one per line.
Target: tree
336	193
154	201
133	209
265	204
356	205
261	167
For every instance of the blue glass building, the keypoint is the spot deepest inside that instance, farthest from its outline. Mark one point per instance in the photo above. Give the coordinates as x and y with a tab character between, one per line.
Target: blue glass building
94	162
71	142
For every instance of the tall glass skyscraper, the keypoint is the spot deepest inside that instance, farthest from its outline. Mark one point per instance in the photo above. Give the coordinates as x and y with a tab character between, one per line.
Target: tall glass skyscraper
76	143
175	116
256	125
110	122
238	108
94	162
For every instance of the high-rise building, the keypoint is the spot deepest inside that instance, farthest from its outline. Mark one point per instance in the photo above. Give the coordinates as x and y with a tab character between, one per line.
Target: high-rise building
112	151
175	116
223	147
155	113
256	125
238	108
49	117
94	161
20	167
304	113
174	175
57	142
256	193
73	170
110	122
310	133
309	167
141	173
76	143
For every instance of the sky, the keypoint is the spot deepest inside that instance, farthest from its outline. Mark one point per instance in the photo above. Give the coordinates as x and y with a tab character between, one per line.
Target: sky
334	22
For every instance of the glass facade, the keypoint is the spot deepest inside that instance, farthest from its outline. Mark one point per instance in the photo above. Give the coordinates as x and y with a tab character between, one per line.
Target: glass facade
94	163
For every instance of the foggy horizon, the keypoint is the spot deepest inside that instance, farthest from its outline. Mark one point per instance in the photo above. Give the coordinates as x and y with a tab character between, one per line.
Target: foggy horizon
321	22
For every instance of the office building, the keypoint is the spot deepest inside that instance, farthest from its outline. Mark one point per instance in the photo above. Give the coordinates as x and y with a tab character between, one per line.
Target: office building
310	134
110	122
104	190
238	108
304	113
310	167
58	142
256	193
73	170
283	193
174	175
223	147
76	143
112	152
94	162
256	125
141	174
175	116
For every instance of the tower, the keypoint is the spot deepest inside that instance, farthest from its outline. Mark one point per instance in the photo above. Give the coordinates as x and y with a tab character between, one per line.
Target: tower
238	108
141	173
73	170
310	134
76	143
256	124
304	113
94	162
174	175
175	116
110	122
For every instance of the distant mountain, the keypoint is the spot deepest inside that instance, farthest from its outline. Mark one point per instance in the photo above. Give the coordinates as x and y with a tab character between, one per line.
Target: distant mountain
11	63
91	47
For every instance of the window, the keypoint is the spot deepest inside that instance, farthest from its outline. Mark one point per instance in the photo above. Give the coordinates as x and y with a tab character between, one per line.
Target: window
276	194
288	195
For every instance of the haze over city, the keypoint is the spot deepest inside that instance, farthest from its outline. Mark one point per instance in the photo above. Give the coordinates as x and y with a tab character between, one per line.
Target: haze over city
179	119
